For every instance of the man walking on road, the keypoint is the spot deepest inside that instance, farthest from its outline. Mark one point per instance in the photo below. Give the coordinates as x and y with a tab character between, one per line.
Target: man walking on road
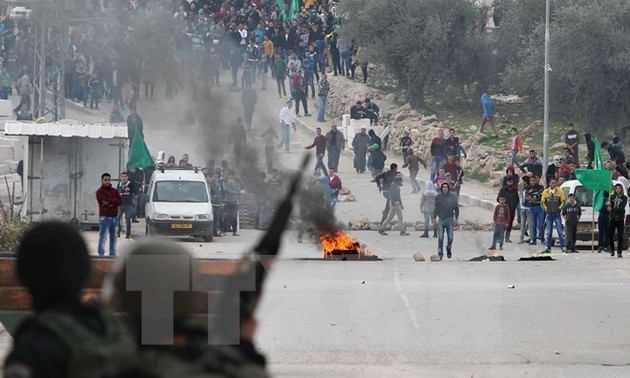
360	145
320	148
335	143
447	210
248	99
383	182
395	207
108	200
438	146
286	120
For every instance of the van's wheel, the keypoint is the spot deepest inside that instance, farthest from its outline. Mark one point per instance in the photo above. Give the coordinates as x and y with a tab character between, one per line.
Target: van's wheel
208	238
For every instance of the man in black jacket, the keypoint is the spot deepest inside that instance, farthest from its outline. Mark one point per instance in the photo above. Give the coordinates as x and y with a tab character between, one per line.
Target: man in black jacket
134	122
617	208
127	192
447	210
616	153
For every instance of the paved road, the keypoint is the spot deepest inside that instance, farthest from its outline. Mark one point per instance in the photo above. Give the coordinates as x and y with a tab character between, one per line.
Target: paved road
453	318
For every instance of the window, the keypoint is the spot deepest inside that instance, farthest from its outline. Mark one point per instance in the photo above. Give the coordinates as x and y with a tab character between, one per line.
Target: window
180	191
583	196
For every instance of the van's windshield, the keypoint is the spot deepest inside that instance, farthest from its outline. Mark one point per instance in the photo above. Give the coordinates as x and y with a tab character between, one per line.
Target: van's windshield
583	196
180	191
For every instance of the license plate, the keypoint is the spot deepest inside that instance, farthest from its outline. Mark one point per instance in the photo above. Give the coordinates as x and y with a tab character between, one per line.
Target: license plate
181	225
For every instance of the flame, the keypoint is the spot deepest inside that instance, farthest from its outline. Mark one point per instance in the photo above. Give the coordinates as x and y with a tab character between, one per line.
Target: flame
341	242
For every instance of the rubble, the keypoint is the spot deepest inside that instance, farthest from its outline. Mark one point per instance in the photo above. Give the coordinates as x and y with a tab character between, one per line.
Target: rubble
418	257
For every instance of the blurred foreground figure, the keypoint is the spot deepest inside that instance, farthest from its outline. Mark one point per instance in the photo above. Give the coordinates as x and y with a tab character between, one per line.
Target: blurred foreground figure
179	348
64	338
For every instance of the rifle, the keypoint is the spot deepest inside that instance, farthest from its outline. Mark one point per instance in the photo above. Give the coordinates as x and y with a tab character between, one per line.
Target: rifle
252	271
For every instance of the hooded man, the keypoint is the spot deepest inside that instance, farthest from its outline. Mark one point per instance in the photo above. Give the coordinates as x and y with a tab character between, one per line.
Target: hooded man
509	191
447	211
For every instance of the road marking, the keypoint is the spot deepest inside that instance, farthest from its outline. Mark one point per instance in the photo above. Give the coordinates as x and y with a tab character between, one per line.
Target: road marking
412	313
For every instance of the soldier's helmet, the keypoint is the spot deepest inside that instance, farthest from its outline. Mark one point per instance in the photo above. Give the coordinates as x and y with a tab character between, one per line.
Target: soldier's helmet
53	261
128	298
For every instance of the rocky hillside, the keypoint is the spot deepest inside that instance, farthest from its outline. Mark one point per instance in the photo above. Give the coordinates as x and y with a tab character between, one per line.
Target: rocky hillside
487	157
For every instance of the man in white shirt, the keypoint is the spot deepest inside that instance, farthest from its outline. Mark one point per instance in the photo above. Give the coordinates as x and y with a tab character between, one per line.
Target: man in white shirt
286	120
243	32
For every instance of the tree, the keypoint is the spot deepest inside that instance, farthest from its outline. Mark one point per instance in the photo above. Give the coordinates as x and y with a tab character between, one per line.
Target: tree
589	57
420	42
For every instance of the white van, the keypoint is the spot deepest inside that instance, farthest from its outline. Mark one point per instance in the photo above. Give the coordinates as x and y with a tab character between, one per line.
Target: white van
584	197
179	204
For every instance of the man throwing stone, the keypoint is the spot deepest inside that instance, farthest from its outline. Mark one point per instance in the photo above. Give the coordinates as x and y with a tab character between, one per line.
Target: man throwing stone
447	210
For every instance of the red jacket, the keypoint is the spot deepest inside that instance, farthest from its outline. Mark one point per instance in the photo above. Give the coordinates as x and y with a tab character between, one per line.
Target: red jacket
299	83
516	144
108	200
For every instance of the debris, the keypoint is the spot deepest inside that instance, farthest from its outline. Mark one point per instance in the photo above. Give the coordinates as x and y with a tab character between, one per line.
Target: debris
511	286
435	258
418	257
362	282
488	258
536	258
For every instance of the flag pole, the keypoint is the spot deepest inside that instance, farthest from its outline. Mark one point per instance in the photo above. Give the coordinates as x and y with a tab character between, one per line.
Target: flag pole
593	227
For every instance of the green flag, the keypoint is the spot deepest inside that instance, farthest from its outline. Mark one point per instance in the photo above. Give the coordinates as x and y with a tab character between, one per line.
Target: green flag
598	180
281	6
139	155
295	7
594	179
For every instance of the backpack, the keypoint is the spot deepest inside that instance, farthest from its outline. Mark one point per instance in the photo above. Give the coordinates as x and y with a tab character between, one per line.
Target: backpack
91	355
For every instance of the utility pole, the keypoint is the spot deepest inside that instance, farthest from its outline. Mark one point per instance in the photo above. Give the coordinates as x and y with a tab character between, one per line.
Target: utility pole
546	95
50	33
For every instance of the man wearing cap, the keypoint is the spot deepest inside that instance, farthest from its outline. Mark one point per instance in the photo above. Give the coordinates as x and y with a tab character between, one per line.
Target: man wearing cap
447	211
532	164
360	146
335	143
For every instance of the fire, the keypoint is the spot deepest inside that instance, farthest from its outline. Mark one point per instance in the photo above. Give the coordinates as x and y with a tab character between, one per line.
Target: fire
339	243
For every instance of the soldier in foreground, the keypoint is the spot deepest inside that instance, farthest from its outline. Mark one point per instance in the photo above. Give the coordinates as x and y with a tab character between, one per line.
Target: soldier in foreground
64	337
184	351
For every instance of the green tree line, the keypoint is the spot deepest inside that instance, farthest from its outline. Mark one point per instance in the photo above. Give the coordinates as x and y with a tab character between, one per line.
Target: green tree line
431	45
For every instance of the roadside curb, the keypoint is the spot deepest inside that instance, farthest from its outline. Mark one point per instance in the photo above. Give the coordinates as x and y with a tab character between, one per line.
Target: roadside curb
463	197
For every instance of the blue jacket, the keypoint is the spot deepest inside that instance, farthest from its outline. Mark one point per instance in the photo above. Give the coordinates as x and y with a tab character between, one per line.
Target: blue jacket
487	105
308	65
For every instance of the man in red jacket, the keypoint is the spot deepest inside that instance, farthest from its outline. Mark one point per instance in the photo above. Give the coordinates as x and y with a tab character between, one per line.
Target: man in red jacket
108	200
